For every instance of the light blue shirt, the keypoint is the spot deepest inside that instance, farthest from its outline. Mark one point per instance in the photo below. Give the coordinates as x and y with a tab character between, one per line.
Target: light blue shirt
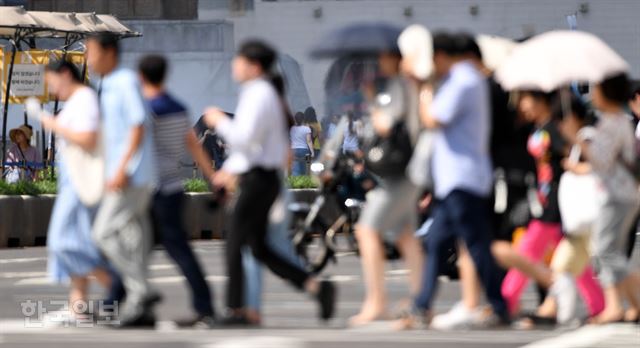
461	147
123	108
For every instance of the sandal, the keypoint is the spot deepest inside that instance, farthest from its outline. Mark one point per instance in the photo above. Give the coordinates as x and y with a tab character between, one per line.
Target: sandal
532	321
413	318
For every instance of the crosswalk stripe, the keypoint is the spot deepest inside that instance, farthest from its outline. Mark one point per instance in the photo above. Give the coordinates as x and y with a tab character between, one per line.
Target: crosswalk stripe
589	336
22	260
11	275
34	281
260	341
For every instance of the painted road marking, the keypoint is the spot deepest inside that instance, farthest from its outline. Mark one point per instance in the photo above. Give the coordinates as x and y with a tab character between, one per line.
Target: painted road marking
592	336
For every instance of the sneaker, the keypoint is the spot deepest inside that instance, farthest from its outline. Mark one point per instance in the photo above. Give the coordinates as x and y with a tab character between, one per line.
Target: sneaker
198	321
458	318
566	295
327	299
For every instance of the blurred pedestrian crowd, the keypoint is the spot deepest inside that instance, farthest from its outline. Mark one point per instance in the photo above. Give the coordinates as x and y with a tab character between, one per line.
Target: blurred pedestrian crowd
493	172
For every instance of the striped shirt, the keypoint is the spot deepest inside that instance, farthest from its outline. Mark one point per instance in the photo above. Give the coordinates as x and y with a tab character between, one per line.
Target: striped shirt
170	127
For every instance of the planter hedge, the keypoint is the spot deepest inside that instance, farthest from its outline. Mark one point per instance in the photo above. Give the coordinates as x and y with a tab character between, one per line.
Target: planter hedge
25	211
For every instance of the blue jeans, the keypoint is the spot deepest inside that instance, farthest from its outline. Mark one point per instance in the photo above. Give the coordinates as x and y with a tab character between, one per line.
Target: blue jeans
278	240
299	166
465	216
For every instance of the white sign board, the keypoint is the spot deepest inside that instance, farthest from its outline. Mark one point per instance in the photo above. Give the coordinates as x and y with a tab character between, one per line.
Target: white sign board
27	80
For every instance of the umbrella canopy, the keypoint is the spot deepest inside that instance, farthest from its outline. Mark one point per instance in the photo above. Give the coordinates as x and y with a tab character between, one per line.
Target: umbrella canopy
358	39
495	50
557	58
14	18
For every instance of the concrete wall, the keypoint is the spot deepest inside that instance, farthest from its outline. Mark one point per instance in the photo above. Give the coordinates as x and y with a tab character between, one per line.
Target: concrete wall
294	26
199	53
124	9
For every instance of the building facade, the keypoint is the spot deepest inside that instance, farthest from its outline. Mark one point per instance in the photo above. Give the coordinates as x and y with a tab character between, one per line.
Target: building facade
203	34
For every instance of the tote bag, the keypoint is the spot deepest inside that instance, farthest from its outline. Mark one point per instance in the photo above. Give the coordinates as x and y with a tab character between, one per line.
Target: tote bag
419	167
86	171
580	197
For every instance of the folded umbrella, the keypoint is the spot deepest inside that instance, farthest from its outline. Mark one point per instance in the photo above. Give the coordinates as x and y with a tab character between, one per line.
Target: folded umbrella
358	39
557	58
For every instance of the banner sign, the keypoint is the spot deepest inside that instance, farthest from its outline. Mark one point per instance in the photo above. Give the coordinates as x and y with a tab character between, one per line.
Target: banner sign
28	76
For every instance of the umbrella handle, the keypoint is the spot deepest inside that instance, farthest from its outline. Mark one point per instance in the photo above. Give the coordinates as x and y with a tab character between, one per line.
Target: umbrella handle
565	101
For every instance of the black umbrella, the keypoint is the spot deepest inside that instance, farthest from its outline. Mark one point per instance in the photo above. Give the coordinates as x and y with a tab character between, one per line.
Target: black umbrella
358	39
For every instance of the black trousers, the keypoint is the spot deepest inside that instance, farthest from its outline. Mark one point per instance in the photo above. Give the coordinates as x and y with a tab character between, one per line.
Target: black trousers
168	224
257	191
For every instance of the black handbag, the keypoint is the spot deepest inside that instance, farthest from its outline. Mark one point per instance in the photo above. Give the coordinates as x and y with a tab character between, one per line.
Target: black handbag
389	156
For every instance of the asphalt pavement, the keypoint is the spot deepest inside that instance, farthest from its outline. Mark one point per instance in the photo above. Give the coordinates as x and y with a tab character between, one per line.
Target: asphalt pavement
289	317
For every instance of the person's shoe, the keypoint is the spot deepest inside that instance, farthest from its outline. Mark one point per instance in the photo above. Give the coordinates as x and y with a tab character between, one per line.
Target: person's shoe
488	319
198	321
412	318
142	321
327	299
458	318
235	320
531	321
566	295
152	299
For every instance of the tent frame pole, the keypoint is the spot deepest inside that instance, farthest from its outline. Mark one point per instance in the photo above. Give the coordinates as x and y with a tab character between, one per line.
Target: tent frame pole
5	110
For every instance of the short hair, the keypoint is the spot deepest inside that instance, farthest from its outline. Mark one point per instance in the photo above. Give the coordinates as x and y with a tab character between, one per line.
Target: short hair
260	53
153	69
60	66
616	88
107	41
468	45
445	43
299	118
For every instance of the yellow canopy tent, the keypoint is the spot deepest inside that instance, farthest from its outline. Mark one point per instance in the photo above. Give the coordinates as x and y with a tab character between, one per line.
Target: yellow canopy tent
19	26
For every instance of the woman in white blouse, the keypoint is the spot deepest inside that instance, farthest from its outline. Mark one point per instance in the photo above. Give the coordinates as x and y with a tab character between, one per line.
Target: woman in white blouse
258	139
73	256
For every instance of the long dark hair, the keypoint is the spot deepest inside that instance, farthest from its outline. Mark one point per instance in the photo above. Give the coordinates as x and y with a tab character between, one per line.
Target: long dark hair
262	54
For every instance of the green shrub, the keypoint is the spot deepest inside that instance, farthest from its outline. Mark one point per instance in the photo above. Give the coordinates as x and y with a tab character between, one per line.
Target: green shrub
46	187
302	182
196	186
28	188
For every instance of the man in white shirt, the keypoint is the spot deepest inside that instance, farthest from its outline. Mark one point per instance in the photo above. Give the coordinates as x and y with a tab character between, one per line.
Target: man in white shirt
258	139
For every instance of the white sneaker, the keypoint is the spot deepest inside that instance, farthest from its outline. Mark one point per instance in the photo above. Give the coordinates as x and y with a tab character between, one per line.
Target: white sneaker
566	295
459	317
